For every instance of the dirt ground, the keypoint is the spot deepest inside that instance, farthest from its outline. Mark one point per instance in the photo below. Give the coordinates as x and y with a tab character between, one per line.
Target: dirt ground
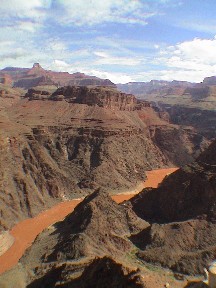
26	231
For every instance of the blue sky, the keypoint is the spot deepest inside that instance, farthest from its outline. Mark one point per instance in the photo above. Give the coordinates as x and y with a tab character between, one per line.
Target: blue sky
123	40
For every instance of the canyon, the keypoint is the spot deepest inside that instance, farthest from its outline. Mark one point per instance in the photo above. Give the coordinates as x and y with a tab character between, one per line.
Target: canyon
75	139
20	237
187	104
155	226
76	146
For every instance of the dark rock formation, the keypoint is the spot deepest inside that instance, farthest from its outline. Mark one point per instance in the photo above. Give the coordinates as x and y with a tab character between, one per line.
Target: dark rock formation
203	120
65	253
186	247
35	94
187	193
101	273
104	273
98	226
185	202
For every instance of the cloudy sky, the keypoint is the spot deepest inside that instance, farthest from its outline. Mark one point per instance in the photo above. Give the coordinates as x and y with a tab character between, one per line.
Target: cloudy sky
123	40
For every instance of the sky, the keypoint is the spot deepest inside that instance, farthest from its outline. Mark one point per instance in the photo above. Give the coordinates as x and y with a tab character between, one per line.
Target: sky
122	40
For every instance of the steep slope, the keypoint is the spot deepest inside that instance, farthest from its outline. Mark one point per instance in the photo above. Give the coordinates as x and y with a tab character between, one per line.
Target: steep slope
185	204
97	227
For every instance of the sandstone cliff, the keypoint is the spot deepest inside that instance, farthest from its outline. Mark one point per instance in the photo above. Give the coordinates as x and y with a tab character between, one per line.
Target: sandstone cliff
100	96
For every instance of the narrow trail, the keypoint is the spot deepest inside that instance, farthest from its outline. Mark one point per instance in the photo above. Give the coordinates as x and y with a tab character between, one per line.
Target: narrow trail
25	232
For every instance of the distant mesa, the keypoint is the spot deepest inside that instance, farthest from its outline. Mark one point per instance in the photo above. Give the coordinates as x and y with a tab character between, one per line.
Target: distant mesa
37	76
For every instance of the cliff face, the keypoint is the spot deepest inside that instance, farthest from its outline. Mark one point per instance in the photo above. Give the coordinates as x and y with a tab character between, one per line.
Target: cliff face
185	204
94	137
203	120
100	96
188	104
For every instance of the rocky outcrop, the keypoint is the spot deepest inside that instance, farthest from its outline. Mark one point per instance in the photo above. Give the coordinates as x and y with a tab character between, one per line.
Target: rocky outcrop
91	247
9	96
101	96
89	240
185	204
97	227
111	273
183	147
101	273
185	247
34	94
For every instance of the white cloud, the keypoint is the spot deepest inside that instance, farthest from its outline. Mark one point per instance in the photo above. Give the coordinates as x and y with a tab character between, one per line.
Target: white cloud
106	59
190	60
28	26
23	8
82	12
197	25
55	45
23	40
115	77
200	50
22	20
